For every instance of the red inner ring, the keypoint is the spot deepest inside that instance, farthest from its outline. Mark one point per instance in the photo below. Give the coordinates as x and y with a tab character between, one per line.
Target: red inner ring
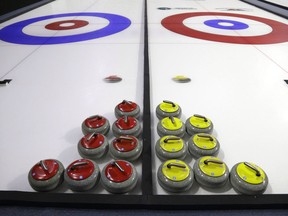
57	25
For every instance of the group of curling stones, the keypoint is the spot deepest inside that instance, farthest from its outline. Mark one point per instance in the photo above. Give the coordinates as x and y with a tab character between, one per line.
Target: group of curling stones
118	176
175	175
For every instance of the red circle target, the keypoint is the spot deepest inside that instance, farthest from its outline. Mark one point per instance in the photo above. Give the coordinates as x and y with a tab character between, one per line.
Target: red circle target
279	33
66	25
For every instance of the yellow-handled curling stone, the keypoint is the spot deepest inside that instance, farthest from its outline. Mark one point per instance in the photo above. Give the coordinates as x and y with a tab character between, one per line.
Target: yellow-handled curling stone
168	108
171	147
127	108
97	124
46	175
175	176
203	144
248	178
181	79
171	126
198	124
211	172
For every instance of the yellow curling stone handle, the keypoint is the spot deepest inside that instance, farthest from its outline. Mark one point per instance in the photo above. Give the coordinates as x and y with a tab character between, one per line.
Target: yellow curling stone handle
250	173
175	170
170	124
169	107
205	141
212	166
200	121
171	144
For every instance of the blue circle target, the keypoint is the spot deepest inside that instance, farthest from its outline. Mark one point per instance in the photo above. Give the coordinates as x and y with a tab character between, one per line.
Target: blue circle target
226	24
14	34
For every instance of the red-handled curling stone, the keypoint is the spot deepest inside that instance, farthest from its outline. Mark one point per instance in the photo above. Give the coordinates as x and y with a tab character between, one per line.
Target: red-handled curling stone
127	108
119	176
126	147
93	146
97	124
46	175
82	175
113	79
126	125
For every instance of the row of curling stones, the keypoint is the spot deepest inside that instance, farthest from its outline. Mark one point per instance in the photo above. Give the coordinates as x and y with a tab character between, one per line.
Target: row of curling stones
174	126
174	147
125	125
118	176
169	114
210	172
95	145
177	176
126	113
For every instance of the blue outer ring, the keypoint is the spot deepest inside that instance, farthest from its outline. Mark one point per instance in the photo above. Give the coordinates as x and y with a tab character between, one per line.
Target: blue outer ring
13	33
235	24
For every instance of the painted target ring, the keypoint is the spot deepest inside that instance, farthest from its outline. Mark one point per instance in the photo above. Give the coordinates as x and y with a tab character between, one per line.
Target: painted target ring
220	23
66	25
14	32
278	34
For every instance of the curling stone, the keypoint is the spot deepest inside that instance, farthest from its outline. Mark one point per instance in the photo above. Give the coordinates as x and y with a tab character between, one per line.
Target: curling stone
171	126
181	79
113	79
93	146
82	175
127	108
211	172
126	148
171	147
96	123
175	176
248	178
198	124
203	145
46	175
126	125
168	108
119	177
